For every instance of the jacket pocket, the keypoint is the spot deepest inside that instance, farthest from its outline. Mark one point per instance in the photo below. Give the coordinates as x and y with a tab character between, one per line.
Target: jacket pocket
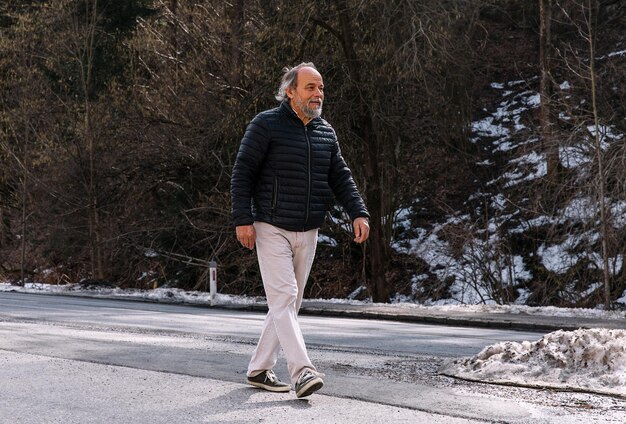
274	194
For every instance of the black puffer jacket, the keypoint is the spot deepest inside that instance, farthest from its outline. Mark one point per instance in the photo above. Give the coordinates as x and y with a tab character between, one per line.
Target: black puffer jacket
286	173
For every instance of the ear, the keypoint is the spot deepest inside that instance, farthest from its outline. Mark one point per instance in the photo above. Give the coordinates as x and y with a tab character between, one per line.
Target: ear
289	92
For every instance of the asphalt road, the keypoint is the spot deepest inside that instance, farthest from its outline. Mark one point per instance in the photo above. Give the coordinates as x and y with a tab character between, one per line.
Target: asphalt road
80	360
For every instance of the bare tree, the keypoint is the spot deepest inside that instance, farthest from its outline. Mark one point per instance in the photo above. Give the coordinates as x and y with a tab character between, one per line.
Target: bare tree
22	114
580	58
382	52
549	143
601	178
191	92
83	52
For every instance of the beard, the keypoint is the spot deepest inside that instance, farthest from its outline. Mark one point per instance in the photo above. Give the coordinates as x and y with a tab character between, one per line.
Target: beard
309	112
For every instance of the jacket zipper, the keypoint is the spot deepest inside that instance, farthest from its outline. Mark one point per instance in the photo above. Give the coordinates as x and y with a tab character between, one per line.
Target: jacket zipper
308	197
308	142
275	194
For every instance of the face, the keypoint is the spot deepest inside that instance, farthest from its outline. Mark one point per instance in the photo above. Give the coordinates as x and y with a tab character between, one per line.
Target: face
307	98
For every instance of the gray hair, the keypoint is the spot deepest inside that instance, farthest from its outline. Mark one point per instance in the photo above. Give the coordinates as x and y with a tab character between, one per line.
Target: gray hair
290	79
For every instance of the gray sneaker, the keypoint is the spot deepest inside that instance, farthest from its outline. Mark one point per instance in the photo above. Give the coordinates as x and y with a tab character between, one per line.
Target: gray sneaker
267	380
310	381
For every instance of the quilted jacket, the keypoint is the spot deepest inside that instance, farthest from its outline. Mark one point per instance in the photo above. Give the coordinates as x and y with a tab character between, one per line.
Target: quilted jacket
288	174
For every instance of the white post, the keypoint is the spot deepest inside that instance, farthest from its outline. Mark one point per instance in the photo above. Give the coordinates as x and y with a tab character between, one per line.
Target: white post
212	281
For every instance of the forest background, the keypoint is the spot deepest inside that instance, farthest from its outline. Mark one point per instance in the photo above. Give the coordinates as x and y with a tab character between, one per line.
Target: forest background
487	137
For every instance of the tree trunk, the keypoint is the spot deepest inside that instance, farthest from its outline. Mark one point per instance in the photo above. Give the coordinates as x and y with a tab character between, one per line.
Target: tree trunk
237	22
548	142
373	192
24	195
604	224
2	235
174	41
378	252
93	213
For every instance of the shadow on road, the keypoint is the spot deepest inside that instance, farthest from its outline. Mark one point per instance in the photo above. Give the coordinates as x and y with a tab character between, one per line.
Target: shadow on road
246	403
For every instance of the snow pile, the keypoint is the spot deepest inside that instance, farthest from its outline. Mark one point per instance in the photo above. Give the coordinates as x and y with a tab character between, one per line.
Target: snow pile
552	311
583	360
161	294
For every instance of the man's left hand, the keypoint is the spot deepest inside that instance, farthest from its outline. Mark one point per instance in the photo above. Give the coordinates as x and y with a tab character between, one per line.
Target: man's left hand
361	229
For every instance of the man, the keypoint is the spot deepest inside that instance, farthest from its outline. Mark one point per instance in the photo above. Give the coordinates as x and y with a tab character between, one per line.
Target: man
288	169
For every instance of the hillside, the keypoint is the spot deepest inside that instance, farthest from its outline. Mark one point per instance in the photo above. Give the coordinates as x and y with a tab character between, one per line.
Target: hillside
510	237
487	138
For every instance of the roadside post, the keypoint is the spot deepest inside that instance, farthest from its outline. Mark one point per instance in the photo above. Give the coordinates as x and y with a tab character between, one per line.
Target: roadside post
212	281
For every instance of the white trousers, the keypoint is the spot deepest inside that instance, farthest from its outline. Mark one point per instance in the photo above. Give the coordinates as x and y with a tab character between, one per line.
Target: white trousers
285	259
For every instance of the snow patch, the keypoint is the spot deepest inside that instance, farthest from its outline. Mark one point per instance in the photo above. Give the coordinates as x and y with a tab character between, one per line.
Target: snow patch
619	53
326	240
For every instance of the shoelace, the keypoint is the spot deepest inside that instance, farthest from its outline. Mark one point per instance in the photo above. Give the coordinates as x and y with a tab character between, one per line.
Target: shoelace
271	376
314	373
318	374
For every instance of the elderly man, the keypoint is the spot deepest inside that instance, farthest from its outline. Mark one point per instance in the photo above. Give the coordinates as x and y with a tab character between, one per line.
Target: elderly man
287	172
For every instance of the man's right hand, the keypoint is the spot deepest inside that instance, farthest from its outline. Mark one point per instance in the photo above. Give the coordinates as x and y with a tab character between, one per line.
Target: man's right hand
246	235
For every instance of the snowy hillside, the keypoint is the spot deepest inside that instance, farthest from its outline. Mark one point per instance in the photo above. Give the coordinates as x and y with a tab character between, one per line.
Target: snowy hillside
504	246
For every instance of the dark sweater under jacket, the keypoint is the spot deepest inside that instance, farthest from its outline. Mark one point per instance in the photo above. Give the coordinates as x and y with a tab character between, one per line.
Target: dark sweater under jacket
286	173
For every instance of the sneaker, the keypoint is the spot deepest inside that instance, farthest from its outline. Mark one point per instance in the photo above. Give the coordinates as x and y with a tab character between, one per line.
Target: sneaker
267	380
310	381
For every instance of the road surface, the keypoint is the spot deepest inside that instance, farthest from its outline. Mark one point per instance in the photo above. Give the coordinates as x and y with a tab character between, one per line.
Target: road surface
81	360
